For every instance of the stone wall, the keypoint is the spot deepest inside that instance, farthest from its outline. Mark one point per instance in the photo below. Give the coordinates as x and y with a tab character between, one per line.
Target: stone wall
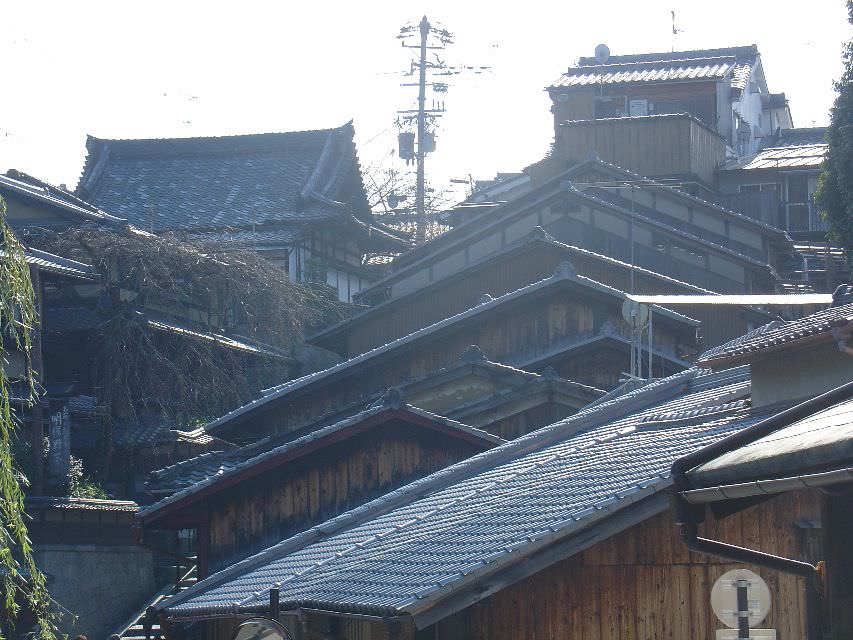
101	585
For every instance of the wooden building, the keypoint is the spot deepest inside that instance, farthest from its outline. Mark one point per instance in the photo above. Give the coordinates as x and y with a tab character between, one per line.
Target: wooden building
564	533
604	209
256	495
801	454
509	268
567	321
724	90
297	198
777	182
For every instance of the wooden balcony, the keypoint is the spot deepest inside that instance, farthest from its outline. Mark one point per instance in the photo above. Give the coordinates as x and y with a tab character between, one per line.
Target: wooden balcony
677	145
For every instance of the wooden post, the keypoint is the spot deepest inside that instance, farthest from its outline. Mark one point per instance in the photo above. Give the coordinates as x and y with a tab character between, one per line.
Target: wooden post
275	610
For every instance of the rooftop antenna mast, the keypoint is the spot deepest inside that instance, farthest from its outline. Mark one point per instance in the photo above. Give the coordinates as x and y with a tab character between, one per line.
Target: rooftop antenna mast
675	31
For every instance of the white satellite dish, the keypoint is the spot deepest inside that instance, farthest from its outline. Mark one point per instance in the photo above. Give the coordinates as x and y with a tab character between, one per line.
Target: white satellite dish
602	53
724	597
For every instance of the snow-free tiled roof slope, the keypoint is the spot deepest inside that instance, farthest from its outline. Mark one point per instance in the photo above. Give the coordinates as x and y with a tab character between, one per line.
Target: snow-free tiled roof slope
780	334
704	64
191	475
408	549
202	184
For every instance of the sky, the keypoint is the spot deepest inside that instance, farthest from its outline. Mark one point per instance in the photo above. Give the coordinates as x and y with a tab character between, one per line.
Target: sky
183	68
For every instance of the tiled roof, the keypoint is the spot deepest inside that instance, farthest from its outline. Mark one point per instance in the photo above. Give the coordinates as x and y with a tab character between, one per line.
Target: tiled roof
563	276
226	182
778	335
207	470
707	64
229	342
57	264
410	549
248	238
417	257
789	148
131	435
22	185
85	504
537	239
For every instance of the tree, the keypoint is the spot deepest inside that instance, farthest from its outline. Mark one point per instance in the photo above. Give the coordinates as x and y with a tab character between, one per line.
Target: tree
143	374
834	195
22	582
391	195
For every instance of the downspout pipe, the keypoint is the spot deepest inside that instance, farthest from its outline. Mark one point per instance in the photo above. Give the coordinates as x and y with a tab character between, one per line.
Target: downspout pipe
689	516
811	574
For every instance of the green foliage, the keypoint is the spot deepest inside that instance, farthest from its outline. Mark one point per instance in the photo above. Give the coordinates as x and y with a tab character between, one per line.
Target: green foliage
21	579
834	195
81	486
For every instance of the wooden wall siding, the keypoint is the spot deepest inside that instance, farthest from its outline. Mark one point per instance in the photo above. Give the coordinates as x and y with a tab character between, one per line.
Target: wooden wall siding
538	326
650	146
655	252
579	102
269	508
530	420
603	367
464	290
645	584
313	627
642	584
457	293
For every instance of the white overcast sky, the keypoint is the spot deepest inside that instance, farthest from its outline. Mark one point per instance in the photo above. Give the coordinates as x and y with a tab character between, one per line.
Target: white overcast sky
122	69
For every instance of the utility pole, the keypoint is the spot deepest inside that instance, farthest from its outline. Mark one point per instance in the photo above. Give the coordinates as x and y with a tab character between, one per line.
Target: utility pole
420	233
415	145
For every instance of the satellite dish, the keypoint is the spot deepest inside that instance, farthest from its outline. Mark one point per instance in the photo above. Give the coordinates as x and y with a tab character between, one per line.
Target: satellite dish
632	309
724	597
261	629
602	53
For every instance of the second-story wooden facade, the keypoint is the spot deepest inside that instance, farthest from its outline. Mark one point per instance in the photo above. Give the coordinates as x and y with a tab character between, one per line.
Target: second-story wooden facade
567	321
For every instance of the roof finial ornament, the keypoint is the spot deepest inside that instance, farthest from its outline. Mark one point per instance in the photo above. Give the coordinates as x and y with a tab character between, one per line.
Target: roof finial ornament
592	156
393	398
473	354
550	373
539	233
843	294
565	268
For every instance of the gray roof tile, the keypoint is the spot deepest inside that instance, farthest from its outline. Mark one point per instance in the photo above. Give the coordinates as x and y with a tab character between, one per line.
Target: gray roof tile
409	548
705	64
563	276
779	334
226	182
189	476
